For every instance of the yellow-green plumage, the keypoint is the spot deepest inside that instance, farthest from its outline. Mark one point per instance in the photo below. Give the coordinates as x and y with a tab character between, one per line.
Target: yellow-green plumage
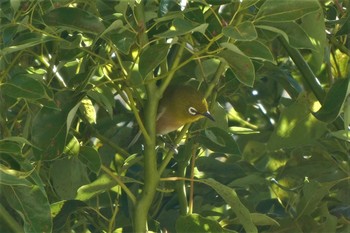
180	105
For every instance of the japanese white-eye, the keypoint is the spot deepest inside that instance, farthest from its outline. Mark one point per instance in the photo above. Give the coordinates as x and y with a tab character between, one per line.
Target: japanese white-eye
180	105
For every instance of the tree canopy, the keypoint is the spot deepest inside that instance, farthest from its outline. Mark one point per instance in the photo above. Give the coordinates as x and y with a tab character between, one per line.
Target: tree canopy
79	80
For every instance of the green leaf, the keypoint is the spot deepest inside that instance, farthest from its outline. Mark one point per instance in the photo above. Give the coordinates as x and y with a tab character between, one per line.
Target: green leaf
74	176
345	28
24	86
314	25
91	158
232	199
297	37
240	64
285	10
333	103
62	211
196	223
32	204
74	19
242	32
12	177
151	57
103	183
218	140
25	41
274	30
49	132
87	108
104	98
296	127
10	147
313	193
182	27
256	50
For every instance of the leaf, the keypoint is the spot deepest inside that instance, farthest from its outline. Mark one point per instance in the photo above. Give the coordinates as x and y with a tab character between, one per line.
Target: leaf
49	126
87	108
240	64
256	50
182	27
231	198
333	103
314	25
10	147
70	117
49	132
196	223
24	86
296	127
151	57
74	176
285	10
104	98
218	140
74	19
103	183
32	204
24	41
91	158
274	30
242	32
345	28
62	210
297	37
313	193
12	177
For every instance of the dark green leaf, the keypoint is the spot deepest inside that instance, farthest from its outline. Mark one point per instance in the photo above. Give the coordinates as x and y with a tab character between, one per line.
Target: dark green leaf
332	105
74	19
240	64
152	57
219	140
74	176
33	206
24	86
256	50
285	10
91	158
232	199
242	32
345	27
25	41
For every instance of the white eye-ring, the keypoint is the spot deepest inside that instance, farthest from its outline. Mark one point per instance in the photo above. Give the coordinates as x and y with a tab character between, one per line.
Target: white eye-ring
192	111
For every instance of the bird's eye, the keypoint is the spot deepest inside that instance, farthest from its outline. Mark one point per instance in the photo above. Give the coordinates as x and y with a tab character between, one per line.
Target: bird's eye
192	111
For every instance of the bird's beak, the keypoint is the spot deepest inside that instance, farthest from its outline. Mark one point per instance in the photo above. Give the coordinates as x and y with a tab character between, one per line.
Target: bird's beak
208	115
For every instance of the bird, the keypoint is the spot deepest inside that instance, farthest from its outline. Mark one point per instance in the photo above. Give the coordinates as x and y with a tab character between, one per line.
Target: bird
180	105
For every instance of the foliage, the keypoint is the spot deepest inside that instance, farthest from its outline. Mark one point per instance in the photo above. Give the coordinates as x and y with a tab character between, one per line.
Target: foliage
78	79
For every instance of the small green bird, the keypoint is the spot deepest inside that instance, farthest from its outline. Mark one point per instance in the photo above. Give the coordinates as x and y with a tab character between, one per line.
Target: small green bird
180	105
